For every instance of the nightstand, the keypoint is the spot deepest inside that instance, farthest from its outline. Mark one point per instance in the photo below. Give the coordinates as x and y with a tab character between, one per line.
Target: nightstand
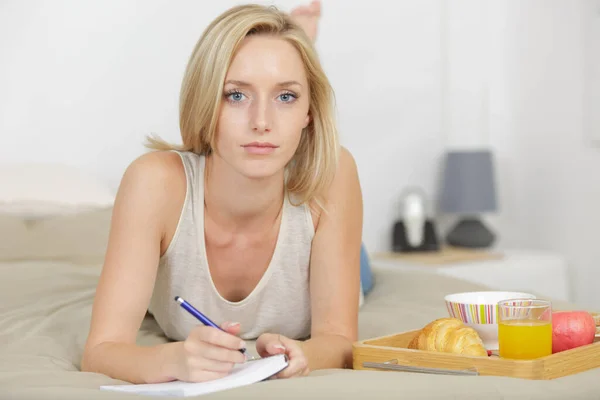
540	272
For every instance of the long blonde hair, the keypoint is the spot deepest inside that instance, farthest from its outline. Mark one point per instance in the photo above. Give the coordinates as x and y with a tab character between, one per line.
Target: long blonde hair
313	166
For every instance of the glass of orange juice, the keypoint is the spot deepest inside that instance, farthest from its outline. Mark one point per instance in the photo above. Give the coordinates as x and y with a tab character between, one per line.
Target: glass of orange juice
524	328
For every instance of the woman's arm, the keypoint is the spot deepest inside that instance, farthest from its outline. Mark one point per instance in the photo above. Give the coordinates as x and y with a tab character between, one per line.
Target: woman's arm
335	272
128	274
150	198
334	282
335	259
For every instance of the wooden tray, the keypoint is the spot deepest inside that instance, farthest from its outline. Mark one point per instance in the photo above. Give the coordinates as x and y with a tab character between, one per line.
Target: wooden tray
391	353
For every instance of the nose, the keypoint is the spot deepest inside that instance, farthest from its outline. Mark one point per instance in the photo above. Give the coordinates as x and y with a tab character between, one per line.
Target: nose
261	116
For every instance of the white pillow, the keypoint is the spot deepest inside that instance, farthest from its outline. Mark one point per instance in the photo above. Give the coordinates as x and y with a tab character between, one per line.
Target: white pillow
52	212
37	190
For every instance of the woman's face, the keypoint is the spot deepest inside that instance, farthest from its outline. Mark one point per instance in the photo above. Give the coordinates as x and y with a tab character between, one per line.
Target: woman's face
265	107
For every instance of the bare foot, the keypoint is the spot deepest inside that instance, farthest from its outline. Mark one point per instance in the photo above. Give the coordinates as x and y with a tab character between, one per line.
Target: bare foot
308	18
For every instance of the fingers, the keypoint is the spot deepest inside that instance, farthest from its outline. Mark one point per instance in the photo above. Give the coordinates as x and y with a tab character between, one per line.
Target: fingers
222	354
201	363
210	353
195	367
270	344
231	327
217	337
214	344
297	364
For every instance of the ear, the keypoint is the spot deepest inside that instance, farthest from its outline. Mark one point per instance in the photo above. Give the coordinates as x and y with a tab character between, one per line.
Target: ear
306	121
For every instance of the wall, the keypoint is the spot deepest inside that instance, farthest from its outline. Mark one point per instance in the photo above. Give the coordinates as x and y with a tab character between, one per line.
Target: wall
535	66
549	178
82	83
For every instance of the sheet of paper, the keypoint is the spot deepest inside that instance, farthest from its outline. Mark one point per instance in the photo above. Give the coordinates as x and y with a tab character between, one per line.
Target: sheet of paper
242	374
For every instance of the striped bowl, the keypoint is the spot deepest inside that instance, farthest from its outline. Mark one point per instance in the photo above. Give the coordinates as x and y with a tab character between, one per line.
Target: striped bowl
479	307
479	310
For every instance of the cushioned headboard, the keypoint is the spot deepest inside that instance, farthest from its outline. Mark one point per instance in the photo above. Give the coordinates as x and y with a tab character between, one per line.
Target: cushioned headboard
50	211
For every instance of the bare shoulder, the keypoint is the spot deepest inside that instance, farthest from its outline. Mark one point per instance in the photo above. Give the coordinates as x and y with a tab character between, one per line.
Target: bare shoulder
344	187
347	169
157	174
156	166
155	182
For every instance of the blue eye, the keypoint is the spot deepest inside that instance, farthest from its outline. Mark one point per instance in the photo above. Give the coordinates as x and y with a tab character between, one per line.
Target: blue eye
287	97
235	96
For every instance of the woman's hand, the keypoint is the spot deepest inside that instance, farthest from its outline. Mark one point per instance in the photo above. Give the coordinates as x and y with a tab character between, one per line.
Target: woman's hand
269	344
207	354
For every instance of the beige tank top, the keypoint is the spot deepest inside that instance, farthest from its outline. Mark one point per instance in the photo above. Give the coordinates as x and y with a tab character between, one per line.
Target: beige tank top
280	303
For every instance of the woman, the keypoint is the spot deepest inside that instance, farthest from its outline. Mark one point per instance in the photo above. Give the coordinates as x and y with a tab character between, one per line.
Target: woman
255	220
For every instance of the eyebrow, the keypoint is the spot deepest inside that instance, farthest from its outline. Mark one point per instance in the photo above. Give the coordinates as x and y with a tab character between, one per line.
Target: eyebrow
246	84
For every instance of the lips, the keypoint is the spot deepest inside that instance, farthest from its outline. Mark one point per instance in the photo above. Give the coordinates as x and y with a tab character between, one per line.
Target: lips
260	148
260	144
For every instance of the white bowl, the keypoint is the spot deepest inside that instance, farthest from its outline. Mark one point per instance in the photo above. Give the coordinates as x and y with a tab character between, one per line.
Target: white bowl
479	310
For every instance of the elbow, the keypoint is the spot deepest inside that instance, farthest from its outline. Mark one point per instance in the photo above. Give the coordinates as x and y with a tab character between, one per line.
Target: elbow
334	351
89	358
87	361
345	345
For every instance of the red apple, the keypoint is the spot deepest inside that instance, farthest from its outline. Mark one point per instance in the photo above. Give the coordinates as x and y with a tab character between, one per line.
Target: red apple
572	329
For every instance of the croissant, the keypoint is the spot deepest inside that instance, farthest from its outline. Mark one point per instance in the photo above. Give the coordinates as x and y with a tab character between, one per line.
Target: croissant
449	335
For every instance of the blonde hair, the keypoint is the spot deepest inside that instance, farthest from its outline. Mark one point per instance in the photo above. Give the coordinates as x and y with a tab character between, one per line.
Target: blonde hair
313	166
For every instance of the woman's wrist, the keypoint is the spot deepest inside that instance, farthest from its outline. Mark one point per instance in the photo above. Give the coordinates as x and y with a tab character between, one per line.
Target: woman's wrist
168	360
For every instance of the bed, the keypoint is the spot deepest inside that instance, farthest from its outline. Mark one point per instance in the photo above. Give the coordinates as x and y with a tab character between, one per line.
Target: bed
50	261
45	309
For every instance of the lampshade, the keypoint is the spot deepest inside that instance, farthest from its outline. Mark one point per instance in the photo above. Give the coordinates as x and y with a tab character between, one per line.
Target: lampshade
468	185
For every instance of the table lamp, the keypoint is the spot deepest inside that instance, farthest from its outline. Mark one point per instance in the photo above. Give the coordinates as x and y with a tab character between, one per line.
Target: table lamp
469	189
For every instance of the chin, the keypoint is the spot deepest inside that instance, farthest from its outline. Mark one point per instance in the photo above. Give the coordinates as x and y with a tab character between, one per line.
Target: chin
261	169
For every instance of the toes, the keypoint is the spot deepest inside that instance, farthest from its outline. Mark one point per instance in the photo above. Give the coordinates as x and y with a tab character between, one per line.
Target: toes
311	10
300	10
315	8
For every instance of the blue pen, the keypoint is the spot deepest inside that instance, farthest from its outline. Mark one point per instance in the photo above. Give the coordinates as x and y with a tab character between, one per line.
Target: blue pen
198	315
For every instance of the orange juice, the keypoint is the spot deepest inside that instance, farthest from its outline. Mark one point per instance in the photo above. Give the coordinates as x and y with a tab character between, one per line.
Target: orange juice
525	340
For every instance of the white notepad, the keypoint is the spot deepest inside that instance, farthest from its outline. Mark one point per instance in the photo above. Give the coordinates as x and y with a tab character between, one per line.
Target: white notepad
242	374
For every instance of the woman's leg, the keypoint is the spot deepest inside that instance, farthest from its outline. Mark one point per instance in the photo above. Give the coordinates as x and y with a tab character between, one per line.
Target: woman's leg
308	18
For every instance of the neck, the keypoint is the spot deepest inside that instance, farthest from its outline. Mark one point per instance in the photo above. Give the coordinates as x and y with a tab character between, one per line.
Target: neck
236	202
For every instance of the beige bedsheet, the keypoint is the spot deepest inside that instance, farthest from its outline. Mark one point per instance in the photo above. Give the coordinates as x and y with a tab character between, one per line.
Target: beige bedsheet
44	315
